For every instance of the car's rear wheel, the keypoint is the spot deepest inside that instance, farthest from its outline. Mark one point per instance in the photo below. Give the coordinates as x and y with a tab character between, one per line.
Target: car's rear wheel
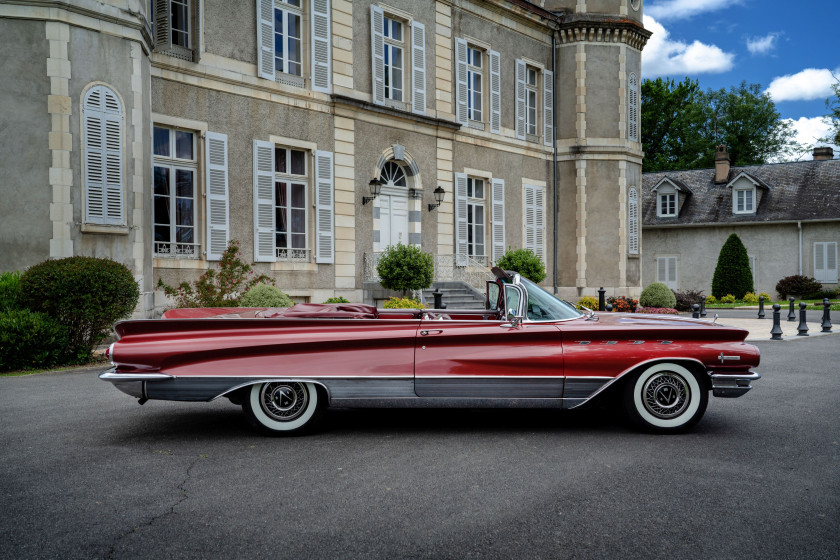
665	398
281	407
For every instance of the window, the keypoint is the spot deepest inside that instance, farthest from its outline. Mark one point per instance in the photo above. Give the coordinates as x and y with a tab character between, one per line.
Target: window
393	65
535	219
282	39
633	221
633	108
176	28
282	177
744	201
288	37
475	78
174	205
825	262
528	105
475	218
666	271
103	156
667	204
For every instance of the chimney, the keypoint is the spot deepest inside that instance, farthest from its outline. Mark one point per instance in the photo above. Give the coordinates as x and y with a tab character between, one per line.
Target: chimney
825	152
721	165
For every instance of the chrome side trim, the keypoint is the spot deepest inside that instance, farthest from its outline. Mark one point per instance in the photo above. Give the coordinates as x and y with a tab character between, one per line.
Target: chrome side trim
732	385
114	377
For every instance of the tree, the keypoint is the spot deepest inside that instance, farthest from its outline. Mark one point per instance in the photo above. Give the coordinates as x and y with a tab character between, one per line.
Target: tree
732	273
681	125
405	267
833	117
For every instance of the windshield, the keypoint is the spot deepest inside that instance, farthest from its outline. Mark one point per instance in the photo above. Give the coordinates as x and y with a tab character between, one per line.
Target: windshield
543	306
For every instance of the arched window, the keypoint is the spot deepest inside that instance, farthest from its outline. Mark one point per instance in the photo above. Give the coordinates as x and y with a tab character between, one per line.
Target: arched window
392	175
633	221
633	108
103	156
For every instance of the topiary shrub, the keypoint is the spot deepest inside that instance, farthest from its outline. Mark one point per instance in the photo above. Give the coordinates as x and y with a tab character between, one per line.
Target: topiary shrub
403	303
766	296
9	291
657	295
687	299
750	297
30	340
265	295
590	302
405	267
85	294
797	285
525	262
338	299
728	298
732	273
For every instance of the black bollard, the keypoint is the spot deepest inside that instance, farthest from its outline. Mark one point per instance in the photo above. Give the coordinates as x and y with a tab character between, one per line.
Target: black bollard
826	319
761	307
609	307
803	326
776	331
601	300
703	307
438	295
791	313
696	308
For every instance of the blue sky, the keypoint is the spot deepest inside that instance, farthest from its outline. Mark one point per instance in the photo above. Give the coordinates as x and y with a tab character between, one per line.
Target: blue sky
790	47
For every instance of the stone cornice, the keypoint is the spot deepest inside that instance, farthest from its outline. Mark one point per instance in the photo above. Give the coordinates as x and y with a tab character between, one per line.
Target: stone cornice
367	106
576	28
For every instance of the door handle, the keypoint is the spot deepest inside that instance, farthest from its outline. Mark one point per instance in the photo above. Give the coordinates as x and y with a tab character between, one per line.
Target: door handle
434	331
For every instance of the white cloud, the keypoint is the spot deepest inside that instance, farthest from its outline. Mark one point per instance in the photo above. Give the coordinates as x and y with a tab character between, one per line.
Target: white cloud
811	83
664	57
762	45
684	9
808	131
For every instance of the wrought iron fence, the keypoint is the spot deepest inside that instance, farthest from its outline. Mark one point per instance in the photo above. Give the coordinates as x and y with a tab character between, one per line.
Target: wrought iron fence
475	273
173	249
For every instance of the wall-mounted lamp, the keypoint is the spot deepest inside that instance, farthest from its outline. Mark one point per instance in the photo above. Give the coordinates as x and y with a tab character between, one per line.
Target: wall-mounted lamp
439	193
375	186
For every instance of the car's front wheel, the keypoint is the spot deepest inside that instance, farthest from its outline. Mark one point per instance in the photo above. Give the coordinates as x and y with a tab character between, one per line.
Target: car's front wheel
281	407
665	398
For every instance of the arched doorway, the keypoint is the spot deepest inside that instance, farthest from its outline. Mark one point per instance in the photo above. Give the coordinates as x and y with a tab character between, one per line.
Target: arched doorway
393	205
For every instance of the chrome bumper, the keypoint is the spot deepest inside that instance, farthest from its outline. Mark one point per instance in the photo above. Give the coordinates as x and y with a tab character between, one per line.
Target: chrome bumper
133	384
731	386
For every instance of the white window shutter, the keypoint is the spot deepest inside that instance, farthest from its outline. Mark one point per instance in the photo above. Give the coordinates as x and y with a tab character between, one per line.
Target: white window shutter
265	39
633	221
264	202
461	250
539	214
321	52
495	93
324	211
103	157
520	99
218	221
377	49
633	108
672	273
462	89
662	270
498	231
418	68
530	218
548	107
163	26
825	263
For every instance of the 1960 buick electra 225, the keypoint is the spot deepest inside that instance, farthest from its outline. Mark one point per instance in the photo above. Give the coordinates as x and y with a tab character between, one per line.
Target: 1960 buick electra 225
526	349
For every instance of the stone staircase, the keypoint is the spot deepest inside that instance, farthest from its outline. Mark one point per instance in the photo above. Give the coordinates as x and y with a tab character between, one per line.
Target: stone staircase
456	295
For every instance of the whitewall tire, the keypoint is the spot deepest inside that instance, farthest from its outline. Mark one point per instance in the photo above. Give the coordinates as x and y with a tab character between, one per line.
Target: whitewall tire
281	407
665	398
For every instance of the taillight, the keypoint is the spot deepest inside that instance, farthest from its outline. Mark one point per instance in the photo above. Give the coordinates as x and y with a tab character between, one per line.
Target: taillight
109	353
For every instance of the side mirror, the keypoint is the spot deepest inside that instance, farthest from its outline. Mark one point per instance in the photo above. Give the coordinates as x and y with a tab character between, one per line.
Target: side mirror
514	320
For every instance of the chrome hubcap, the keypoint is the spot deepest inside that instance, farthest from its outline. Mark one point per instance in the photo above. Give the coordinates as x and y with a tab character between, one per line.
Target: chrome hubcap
283	401
666	395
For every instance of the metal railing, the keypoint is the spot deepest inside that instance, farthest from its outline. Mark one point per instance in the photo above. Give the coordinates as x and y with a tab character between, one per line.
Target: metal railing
475	273
174	249
294	255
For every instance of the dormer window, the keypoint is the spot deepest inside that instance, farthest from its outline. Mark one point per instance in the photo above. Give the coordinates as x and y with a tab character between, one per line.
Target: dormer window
667	205
743	201
670	197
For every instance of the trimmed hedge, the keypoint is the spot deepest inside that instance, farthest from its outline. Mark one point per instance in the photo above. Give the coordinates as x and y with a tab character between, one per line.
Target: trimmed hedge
525	262
85	294
9	291
30	340
403	303
264	295
405	267
798	285
657	295
733	274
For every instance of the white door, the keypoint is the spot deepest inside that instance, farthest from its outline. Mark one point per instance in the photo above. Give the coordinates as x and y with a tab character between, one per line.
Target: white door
393	219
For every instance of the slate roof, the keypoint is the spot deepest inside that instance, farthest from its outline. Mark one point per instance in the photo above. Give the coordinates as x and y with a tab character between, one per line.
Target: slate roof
803	190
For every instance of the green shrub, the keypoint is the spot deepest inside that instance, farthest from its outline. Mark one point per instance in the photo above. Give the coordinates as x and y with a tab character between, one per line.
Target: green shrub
710	299
221	287
658	295
403	303
265	295
338	299
623	304
405	267
728	298
590	302
766	296
9	291
732	273
797	285
525	262
30	340
85	294
750	297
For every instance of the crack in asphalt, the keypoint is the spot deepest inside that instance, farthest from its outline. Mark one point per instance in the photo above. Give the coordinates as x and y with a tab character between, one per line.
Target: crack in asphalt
181	499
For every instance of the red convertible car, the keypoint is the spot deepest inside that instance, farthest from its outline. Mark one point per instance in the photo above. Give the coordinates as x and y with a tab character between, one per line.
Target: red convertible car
527	349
